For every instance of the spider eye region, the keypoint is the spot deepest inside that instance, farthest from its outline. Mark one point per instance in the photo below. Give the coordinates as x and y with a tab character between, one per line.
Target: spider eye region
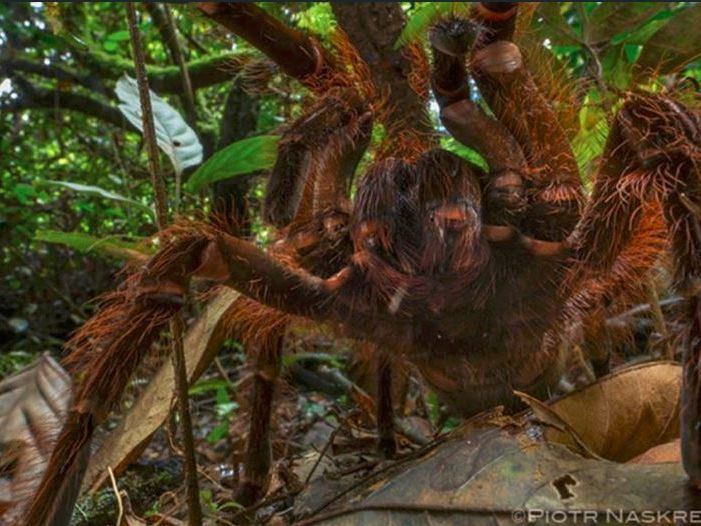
421	218
453	215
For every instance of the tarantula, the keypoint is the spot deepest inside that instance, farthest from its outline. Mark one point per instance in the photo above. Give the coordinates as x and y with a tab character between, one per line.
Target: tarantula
469	274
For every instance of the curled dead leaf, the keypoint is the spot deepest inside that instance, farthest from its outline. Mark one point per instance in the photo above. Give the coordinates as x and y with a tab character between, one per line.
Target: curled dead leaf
33	404
623	414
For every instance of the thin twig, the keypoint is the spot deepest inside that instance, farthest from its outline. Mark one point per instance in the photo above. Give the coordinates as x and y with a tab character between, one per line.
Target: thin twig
188	96
326	447
265	502
176	325
188	93
223	373
159	187
120	506
658	317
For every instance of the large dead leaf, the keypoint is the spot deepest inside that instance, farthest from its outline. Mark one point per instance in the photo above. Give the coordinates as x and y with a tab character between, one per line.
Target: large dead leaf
126	442
492	469
622	415
33	404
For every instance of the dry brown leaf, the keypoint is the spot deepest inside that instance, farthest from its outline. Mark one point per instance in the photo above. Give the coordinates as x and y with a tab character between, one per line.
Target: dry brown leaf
487	476
126	442
33	404
669	452
625	413
492	469
558	429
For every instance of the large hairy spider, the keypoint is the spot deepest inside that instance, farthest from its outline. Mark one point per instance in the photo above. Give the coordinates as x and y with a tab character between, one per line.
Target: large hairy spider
469	274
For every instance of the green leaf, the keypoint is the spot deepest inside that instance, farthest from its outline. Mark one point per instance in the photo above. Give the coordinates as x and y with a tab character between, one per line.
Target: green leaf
23	192
87	243
96	190
463	151
245	156
642	33
632	52
226	409
418	24
612	18
674	45
617	70
47	38
205	386
589	142
119	36
219	432
110	46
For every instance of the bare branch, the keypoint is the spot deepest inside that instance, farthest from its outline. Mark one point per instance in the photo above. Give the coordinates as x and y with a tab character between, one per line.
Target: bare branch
8	66
32	97
163	20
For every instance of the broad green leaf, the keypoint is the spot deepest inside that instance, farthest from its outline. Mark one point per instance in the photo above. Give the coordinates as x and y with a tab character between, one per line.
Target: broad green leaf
463	151
119	36
23	192
418	24
173	135
87	243
642	33
110	45
632	52
96	190
612	18
674	45
245	156
112	42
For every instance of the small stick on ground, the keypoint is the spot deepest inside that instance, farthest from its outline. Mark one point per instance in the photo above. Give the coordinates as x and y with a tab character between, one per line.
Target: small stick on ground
120	506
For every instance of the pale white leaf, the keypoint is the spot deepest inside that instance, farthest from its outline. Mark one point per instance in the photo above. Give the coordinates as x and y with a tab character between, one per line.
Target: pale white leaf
173	135
5	87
